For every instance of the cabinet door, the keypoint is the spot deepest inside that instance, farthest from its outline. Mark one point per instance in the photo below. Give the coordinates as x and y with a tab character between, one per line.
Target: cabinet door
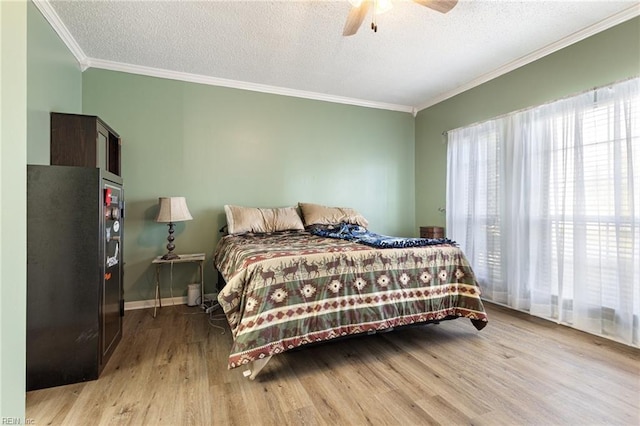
101	148
112	284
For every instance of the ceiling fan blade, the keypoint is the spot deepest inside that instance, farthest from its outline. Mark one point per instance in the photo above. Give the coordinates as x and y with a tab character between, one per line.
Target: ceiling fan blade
355	18
442	6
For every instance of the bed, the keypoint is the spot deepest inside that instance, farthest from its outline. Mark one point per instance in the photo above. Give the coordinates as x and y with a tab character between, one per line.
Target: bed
286	288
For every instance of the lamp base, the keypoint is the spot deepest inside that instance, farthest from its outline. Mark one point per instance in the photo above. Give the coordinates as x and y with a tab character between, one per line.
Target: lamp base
170	256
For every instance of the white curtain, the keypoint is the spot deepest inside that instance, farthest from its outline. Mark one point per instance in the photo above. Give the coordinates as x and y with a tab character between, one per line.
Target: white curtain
546	205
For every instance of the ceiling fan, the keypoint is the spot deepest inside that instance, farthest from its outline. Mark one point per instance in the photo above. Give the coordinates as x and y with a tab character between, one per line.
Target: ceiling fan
361	8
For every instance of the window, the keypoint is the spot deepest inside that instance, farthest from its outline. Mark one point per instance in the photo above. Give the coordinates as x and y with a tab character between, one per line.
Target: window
546	205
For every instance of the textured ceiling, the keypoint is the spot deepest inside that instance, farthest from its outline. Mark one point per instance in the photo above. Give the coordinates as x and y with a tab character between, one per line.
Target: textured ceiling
418	56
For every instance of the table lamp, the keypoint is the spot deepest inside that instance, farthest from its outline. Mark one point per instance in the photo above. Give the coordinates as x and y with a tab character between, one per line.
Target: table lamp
172	209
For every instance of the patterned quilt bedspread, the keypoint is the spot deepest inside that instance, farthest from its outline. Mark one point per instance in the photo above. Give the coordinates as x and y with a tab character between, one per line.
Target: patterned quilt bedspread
287	289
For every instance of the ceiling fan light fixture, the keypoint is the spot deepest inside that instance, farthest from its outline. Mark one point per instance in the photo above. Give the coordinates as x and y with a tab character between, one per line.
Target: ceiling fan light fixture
361	8
380	6
383	6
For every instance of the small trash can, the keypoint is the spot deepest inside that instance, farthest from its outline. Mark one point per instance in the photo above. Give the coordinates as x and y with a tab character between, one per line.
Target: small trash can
193	294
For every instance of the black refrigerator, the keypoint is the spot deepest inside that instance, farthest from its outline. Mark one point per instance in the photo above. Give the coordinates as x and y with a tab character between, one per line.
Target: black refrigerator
75	299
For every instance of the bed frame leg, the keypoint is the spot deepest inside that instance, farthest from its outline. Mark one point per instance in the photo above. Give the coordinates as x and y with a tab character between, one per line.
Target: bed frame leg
256	367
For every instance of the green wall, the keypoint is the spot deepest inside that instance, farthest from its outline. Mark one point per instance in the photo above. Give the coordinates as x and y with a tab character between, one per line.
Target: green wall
13	233
216	146
604	58
38	74
54	83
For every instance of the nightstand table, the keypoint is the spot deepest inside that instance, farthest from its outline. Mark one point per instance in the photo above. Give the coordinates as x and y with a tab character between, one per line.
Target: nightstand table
184	258
431	232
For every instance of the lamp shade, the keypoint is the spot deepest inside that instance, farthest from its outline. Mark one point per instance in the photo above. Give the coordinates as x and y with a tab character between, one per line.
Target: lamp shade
173	209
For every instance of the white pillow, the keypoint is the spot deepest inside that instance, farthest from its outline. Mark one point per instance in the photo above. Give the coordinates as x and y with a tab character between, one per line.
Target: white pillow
316	214
253	219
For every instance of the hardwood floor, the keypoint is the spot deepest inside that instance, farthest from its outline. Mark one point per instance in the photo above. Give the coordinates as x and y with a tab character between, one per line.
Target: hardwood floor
518	370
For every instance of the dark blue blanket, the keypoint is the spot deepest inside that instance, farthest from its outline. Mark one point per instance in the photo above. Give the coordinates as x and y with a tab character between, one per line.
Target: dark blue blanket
361	235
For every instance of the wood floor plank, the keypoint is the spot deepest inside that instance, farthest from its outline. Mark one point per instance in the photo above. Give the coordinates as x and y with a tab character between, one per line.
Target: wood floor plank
330	399
51	406
353	376
303	417
227	405
284	386
172	370
402	405
194	389
429	347
442	411
133	364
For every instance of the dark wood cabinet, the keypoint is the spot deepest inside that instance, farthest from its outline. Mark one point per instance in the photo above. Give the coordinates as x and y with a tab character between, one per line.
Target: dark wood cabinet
84	141
75	225
75	298
431	232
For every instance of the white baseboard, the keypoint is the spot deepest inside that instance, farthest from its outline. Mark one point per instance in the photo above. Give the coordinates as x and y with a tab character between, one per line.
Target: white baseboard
167	301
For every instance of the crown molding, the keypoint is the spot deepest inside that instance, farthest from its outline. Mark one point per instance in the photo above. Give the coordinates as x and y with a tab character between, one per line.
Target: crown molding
600	26
235	84
85	62
61	29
